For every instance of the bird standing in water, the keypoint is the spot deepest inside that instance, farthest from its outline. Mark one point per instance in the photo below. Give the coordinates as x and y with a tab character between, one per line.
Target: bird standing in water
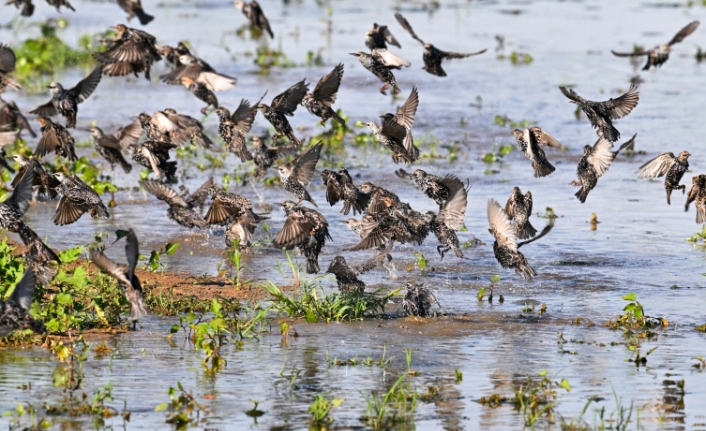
602	114
666	164
595	162
659	55
347	277
433	56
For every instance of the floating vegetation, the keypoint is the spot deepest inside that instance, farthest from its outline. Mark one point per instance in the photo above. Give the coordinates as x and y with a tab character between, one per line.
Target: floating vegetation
505	121
367	362
266	58
699	239
498	153
634	317
182	409
517	58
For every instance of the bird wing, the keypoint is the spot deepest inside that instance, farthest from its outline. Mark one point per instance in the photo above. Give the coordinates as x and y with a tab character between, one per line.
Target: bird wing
163	123
544	138
218	213
376	260
531	147
405	115
392	128
528	201
24	290
295	228
163	193
389	59
67	212
262	21
132	252
288	101
129	135
7	59
500	226
544	231
571	94
304	164
46	110
85	87
327	87
620	107
683	33
455	55
22	194
216	81
454	209
197	198
243	117
629	54
601	157
657	167
105	264
154	162
408	28
48	142
125	53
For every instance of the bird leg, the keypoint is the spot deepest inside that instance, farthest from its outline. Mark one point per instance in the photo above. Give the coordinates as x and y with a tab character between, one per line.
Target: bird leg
598	133
575	183
205	109
383	88
669	196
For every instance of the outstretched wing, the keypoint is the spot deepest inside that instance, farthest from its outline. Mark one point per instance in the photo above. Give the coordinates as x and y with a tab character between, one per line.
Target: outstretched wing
7	59
327	88
454	55
620	107
683	33
288	101
86	86
571	94
408	28
132	252
375	260
106	265
243	117
129	135
601	157
629	54
405	115
657	167
389	59
24	290
305	163
163	193
454	210
544	138
500	226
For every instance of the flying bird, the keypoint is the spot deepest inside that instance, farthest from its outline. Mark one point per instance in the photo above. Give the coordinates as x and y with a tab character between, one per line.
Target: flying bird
134	9
531	141
131	51
253	12
319	101
595	162
659	55
7	66
297	174
376	65
110	146
282	106
396	130
234	127
519	209
697	194
666	164
65	102
347	277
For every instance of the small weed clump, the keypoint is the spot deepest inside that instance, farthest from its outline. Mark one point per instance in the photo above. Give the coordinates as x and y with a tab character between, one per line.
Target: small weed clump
182	409
320	409
634	317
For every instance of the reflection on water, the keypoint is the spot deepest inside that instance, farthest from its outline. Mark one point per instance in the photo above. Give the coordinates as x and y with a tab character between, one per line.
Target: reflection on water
637	246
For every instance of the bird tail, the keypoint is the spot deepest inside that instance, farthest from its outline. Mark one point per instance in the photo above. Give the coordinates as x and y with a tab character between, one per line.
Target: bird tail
700	213
610	133
543	168
669	196
525	230
312	266
524	269
127	167
27	9
143	17
582	194
459	253
137	302
338	118
244	154
293	139
203	140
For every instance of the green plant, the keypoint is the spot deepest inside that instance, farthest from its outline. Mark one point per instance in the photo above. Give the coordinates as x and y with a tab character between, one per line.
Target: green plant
16	415
266	58
182	409
520	58
699	238
537	397
320	409
634	316
368	362
639	359
394	408
155	261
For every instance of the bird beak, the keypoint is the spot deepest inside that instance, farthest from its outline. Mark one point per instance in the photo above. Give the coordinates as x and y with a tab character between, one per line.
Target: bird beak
354	54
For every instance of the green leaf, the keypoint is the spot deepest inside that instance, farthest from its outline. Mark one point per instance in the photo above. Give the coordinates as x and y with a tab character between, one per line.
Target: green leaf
64	298
495	278
542	373
171	248
174	329
70	255
489	158
630	296
337	402
161	407
565	384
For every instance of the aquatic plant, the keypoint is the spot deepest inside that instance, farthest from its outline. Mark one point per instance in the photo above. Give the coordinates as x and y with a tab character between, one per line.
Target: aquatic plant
699	239
266	58
320	409
368	362
536	398
634	317
182	409
16	421
155	260
505	121
313	305
498	153
640	359
393	409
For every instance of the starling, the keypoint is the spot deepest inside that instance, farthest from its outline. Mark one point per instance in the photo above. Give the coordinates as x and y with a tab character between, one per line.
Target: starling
697	193
234	127
14	313
529	141
380	199
39	258
110	146
305	228
379	37
506	247
378	68
398	223
134	9
595	162
418	301
55	138
159	127
131	51
339	186
179	210
191	127
13	208
240	230
396	130
297	174
172	55
659	55
450	218
7	66
602	114
253	12
432	55
6	138
227	207
198	198
10	116
199	71
519	208
43	181
125	274
347	277
201	91
319	101
65	102
666	164
26	5
264	157
76	198
58	3
154	155
284	105
435	187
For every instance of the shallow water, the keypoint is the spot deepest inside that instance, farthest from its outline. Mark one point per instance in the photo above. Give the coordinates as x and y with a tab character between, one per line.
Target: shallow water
638	245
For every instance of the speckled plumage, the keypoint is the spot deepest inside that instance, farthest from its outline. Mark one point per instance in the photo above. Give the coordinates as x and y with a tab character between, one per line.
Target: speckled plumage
284	105
519	209
595	162
55	138
110	146
131	51
180	210
419	300
697	194
306	229
347	277
319	101
76	199
297	175
65	102
659	55
669	166
602	114
339	186
377	68
233	128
